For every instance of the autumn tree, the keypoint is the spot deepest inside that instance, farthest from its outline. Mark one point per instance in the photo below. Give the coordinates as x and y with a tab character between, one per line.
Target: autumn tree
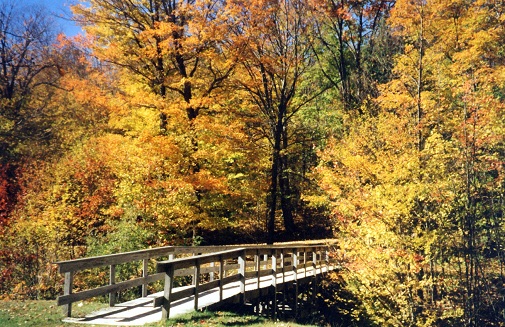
169	45
26	66
414	188
273	42
355	46
174	48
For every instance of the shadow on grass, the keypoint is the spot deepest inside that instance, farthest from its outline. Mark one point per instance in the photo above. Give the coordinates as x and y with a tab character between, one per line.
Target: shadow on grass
216	318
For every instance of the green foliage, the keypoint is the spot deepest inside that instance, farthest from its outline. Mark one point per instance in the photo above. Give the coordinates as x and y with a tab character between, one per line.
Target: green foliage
414	188
125	235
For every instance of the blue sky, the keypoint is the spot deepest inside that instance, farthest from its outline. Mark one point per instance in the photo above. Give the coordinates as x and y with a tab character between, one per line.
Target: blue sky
59	9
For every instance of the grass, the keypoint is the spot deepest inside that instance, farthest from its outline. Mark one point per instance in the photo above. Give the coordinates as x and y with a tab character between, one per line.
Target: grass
48	314
223	319
40	313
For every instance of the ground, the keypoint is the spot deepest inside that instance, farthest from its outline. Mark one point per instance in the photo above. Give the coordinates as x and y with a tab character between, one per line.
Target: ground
48	314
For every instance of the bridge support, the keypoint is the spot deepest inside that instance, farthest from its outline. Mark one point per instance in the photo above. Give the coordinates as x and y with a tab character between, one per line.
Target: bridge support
67	290
169	284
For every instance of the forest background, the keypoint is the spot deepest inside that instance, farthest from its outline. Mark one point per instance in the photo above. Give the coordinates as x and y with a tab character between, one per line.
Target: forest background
377	122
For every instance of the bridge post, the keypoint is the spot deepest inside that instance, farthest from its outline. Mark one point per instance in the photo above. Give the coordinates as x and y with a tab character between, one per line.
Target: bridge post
314	266
196	282
257	267
67	290
305	260
221	272
167	292
325	262
242	269
145	273
327	258
112	281
283	280
211	274
274	283
295	269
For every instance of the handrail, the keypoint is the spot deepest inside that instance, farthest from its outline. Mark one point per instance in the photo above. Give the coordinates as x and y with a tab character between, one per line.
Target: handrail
106	260
71	267
265	263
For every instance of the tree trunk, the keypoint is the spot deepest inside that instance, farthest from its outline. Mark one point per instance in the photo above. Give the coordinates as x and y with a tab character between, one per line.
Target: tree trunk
285	188
274	177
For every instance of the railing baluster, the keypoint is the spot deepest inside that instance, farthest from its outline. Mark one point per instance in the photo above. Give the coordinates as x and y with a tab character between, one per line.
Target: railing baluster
167	292
305	260
295	269
257	267
196	282
112	281
211	274
282	265
221	272
314	265
274	283
283	272
314	261
67	290
145	273
242	261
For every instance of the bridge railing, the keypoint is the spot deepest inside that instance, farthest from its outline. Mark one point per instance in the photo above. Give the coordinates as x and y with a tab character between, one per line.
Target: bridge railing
250	263
71	267
221	270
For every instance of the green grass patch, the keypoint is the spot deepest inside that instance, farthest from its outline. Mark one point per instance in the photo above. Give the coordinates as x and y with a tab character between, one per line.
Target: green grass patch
223	319
48	314
41	313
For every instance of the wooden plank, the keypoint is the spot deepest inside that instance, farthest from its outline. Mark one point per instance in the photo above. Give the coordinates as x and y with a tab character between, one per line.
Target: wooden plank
183	293
265	272
163	251
231	279
204	258
209	285
112	259
204	249
83	295
250	264
250	274
184	272
235	266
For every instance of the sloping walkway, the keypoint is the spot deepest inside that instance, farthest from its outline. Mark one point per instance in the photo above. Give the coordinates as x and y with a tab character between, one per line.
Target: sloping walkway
142	311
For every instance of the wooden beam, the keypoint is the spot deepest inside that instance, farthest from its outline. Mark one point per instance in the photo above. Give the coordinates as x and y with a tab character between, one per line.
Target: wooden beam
67	290
112	281
167	292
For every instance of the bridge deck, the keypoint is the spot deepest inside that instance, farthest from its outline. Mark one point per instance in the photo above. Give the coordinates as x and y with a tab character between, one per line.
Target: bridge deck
141	311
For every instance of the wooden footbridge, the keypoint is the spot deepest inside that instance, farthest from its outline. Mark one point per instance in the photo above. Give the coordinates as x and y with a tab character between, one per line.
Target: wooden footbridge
193	278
